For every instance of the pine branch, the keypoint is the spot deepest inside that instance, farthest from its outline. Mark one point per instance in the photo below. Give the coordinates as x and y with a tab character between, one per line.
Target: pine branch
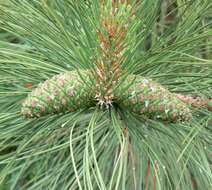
81	145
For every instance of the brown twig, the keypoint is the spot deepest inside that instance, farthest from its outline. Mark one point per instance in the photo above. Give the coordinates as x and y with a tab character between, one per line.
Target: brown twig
147	176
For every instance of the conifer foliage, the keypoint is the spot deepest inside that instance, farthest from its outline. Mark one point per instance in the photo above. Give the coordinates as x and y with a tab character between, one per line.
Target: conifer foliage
106	94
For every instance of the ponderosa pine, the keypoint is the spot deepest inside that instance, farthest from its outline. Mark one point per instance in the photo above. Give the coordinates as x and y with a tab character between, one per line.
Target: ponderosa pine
105	95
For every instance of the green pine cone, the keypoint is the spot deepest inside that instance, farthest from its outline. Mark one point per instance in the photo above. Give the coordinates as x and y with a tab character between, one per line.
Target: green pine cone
143	96
61	93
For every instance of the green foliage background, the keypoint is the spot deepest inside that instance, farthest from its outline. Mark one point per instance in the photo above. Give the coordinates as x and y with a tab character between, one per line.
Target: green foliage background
104	149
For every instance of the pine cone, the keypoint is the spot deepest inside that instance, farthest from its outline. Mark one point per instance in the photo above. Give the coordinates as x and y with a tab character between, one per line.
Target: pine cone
62	93
143	96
